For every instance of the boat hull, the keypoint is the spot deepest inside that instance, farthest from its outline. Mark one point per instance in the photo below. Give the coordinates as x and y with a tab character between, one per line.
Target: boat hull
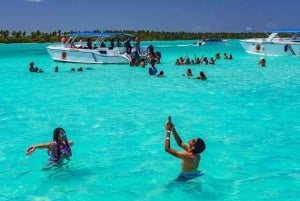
211	42
89	56
262	47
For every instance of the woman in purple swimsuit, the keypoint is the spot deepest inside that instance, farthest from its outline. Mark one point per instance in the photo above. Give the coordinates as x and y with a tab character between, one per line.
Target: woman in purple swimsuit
58	149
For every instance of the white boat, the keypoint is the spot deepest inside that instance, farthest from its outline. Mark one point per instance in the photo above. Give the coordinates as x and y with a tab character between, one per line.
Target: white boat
97	49
211	41
274	45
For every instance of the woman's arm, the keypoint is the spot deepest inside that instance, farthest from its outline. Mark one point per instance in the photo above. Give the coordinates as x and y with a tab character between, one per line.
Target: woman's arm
32	148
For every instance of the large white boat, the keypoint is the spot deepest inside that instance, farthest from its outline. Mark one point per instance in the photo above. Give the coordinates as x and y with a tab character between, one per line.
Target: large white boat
98	48
274	45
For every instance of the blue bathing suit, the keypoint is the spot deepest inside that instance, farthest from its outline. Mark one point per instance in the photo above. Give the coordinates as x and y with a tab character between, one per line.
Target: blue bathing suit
185	176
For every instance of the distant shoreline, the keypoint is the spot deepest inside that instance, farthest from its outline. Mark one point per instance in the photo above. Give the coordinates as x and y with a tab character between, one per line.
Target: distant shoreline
55	36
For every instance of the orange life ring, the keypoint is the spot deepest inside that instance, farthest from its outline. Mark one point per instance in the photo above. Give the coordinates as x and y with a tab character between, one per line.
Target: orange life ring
257	47
63	55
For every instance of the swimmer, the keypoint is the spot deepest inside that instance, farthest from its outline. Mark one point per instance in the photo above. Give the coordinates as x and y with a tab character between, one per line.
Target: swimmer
262	62
202	76
58	149
190	156
161	74
188	73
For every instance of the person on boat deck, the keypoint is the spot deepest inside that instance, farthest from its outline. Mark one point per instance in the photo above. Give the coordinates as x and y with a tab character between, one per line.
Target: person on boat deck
112	44
89	43
102	44
119	44
58	149
190	156
128	46
136	49
150	49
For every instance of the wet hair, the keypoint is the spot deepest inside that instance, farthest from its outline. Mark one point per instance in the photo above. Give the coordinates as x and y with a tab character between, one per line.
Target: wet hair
56	133
199	146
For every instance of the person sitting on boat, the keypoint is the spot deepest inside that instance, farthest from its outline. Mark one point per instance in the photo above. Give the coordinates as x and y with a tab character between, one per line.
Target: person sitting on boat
89	43
102	45
112	44
58	149
136	49
119	44
128	46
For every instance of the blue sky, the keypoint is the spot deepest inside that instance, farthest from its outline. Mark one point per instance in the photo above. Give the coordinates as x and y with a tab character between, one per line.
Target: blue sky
152	15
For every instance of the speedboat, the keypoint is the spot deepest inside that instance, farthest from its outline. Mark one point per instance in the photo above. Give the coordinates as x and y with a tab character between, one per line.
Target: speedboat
273	45
97	48
210	41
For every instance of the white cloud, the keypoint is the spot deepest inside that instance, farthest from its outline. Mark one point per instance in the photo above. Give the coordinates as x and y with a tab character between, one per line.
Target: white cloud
249	28
35	0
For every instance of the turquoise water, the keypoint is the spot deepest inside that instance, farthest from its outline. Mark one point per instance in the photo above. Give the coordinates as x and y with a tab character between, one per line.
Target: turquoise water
247	115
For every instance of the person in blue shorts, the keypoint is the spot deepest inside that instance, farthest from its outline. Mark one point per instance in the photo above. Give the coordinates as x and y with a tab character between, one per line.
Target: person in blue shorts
58	149
190	156
152	69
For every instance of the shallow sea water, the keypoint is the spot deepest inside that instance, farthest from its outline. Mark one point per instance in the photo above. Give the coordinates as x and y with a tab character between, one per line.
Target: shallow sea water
247	115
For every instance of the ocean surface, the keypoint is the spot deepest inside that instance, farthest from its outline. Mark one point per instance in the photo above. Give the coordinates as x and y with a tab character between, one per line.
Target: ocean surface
247	115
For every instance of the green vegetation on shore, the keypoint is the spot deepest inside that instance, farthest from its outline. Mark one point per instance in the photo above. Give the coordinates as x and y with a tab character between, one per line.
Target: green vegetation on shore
55	36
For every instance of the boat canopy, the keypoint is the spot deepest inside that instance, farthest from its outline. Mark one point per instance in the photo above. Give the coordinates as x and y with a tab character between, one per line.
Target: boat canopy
101	36
98	34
